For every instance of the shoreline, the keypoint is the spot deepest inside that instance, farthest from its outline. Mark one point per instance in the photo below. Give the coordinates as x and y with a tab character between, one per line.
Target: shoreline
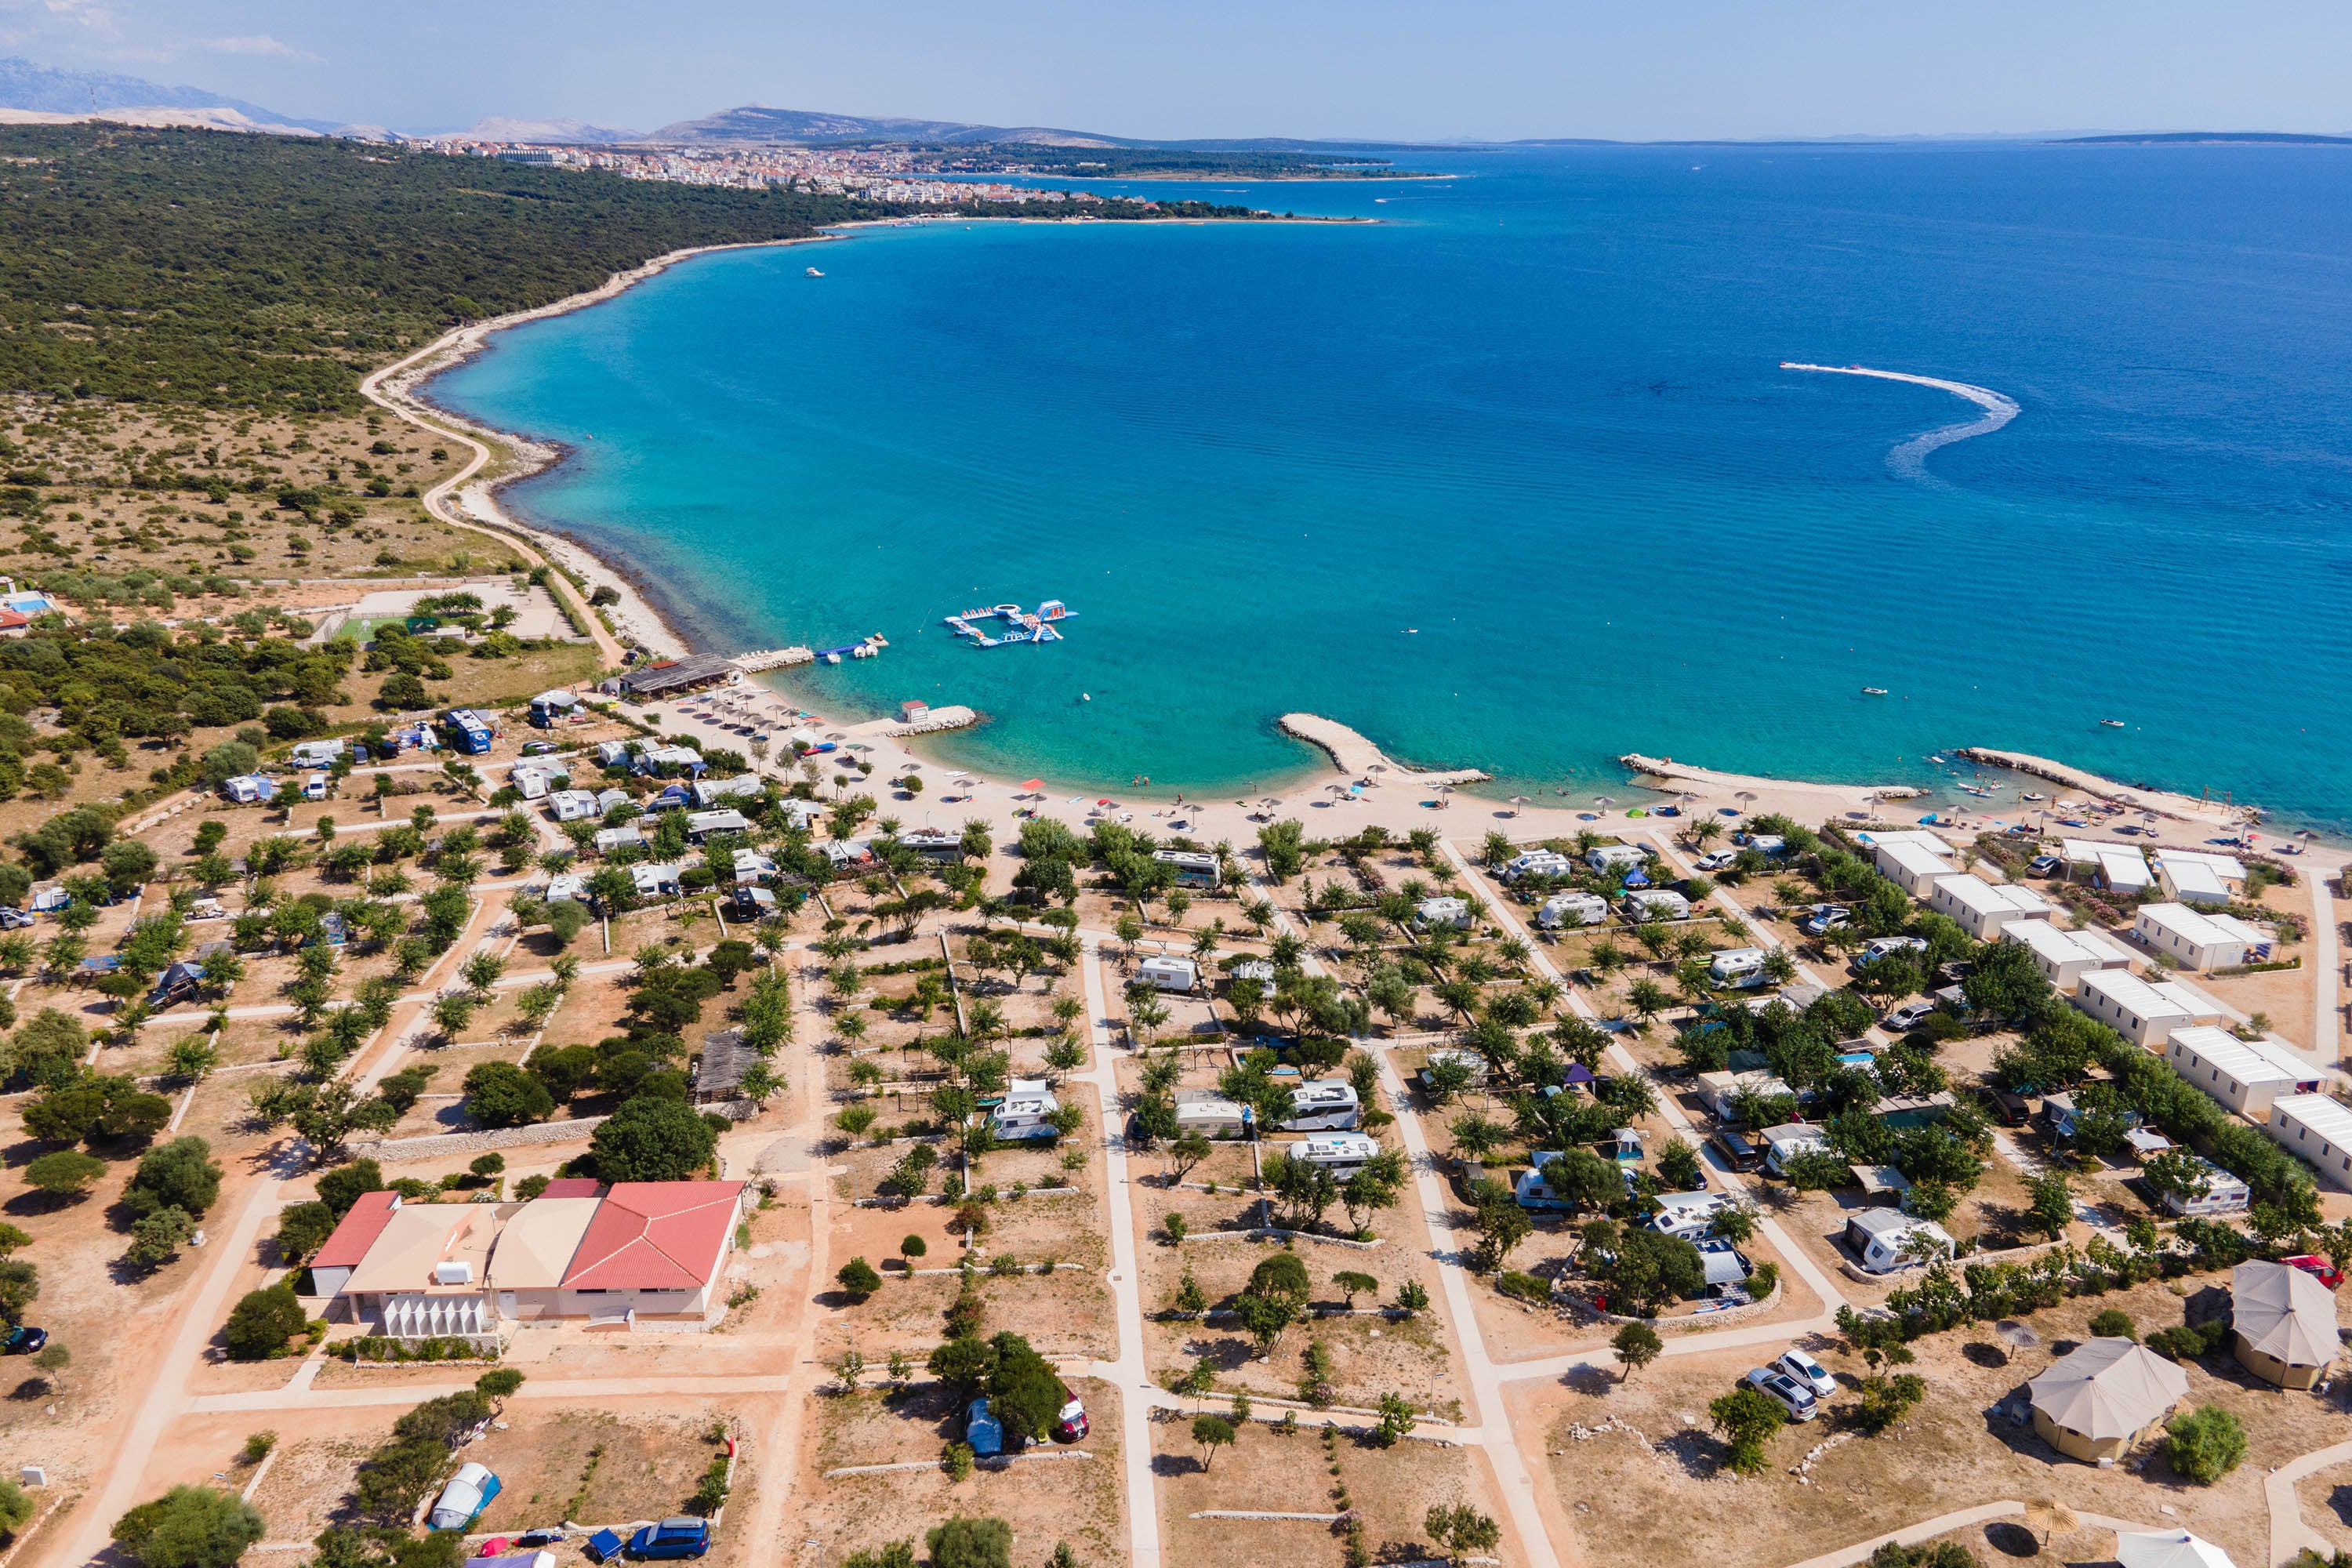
470	499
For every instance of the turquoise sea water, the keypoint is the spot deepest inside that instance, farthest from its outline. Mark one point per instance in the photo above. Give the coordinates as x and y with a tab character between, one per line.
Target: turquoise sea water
1536	413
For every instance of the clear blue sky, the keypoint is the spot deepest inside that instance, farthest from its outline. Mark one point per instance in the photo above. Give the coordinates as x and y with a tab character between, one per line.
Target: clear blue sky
1487	68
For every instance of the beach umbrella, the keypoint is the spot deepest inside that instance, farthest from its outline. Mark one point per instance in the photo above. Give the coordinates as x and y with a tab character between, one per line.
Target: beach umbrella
1035	784
2047	1516
1603	802
1518	805
2168	1549
1746	794
2016	1335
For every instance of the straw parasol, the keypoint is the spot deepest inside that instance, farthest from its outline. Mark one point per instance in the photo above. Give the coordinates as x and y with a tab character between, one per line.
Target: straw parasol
2016	1335
2047	1516
1518	805
1746	795
1603	802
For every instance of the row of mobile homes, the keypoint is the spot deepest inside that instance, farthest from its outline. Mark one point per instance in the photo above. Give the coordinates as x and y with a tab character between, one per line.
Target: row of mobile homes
2142	1012
2196	940
2246	1076
1912	865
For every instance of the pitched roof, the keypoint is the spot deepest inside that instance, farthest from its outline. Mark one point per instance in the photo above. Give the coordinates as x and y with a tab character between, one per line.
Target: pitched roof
539	1241
417	1238
655	1235
572	1187
2108	1388
2284	1312
361	1226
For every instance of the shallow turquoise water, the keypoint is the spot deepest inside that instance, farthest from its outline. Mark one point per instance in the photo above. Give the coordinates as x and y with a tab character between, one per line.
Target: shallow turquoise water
1535	416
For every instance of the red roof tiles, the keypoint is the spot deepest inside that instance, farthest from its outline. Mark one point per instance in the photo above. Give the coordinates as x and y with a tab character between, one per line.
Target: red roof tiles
655	1235
573	1187
358	1231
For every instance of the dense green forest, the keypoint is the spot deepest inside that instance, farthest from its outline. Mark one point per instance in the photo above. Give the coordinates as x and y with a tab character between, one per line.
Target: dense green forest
270	272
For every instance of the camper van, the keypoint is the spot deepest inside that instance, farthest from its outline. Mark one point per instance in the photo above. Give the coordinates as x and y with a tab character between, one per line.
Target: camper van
1025	1112
1323	1105
1341	1154
1169	973
1211	1114
1573	909
1882	1239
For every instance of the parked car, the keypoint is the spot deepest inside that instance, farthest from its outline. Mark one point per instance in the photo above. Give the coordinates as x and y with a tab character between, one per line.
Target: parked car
1715	861
680	1537
1792	1395
16	919
538	748
1737	1150
1070	1424
1823	918
2318	1267
315	787
23	1339
1909	1015
1809	1372
2045	866
2011	1109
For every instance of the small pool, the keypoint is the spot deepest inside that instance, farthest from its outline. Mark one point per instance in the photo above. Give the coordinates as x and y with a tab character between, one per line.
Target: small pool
1856	1060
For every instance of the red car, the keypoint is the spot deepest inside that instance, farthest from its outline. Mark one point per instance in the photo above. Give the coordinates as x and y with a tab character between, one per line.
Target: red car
1070	1424
2318	1267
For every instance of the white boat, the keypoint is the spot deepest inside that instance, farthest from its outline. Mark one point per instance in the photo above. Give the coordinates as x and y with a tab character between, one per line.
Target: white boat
1874	692
2112	723
813	272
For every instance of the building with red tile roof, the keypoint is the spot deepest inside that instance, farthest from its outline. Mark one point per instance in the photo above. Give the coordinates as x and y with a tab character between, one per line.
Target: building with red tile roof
331	1269
654	1247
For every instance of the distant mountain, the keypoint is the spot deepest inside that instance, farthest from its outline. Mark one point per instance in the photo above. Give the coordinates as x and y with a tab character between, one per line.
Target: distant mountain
2150	138
499	128
46	89
759	123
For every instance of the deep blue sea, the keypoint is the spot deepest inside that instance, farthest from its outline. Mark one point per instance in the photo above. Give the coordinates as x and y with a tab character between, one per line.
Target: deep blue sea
1534	414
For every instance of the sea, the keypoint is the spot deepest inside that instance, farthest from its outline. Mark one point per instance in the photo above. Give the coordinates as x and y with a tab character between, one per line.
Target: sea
1511	474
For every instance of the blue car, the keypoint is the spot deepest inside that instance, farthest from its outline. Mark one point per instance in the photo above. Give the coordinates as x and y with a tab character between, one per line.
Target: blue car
680	1537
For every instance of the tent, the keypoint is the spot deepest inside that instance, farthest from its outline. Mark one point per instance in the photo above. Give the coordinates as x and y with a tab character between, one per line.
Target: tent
2168	1549
2284	1314
2102	1394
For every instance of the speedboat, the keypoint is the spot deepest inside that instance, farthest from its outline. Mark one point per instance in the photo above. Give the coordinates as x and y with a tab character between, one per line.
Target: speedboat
1874	692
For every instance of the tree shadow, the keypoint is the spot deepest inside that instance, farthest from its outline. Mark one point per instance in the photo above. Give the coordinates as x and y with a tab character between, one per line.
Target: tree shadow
1596	1381
1988	1356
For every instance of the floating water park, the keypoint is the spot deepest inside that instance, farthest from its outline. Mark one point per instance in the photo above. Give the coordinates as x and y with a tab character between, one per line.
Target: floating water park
1019	624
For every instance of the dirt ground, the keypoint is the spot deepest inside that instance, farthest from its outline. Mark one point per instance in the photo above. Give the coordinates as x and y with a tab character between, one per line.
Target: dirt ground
1650	1487
591	1466
1045	1501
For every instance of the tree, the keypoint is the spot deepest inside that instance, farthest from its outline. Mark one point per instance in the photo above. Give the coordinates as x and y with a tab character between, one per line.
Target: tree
2052	1208
17	1510
1413	1298
1024	1390
652	1140
1213	1432
1275	1298
1352	1285
1637	1345
179	1174
2204	1444
1397	1420
1187	1150
859	1279
1500	1222
188	1527
1748	1417
1583	1178
262	1322
965	1542
1462	1529
342	1187
66	1174
500	1094
155	1237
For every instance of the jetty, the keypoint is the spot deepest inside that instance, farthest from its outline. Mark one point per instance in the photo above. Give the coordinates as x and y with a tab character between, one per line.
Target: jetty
773	659
2137	797
954	716
1673	773
1020	625
1359	758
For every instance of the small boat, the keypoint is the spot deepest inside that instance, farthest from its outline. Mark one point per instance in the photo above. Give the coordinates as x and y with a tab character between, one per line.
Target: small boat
1874	692
2112	723
2033	794
1977	790
1086	697
813	272
1937	761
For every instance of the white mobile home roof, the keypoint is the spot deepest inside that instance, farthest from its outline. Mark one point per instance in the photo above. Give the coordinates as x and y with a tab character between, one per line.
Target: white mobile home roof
2195	879
2089	946
2122	865
1917	838
2326	1116
2247	1061
1916	858
2197	927
2225	866
2167	999
1981	897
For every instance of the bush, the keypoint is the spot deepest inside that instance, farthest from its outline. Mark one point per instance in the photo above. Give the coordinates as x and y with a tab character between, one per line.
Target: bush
262	1322
66	1174
17	1510
499	1384
652	1140
179	1174
2114	1323
1526	1287
858	1277
963	1542
2204	1444
500	1094
188	1527
913	1246
2190	1341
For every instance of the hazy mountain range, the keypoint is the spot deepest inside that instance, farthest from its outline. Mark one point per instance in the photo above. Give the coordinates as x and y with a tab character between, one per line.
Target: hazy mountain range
30	91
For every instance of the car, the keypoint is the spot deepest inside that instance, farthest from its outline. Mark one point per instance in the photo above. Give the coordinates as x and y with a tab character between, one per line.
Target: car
538	748
2045	866
1070	1423
1737	1152
2128	829
1824	917
2318	1267
1879	947
682	1536
1792	1396
1715	860
15	919
23	1339
315	787
2011	1109
1809	1372
1909	1015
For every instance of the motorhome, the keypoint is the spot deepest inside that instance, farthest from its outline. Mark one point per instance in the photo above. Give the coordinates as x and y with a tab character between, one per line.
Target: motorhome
1323	1105
1340	1154
1211	1114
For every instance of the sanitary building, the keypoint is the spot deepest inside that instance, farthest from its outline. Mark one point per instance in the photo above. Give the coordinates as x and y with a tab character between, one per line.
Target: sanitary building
1982	909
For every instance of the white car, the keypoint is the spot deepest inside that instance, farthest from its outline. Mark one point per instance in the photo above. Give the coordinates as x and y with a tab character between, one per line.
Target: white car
1794	1397
1808	1373
1909	1015
1716	861
1824	917
1872	951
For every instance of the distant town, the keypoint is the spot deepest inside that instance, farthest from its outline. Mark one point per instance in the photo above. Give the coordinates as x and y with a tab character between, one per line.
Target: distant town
868	173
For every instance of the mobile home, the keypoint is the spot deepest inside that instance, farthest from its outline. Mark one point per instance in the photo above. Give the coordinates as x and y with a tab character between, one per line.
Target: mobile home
1323	1105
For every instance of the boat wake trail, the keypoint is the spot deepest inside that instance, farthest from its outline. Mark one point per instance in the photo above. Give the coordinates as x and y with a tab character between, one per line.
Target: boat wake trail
1910	460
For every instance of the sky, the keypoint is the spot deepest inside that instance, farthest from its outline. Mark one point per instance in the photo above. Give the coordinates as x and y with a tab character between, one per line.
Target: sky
1489	69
